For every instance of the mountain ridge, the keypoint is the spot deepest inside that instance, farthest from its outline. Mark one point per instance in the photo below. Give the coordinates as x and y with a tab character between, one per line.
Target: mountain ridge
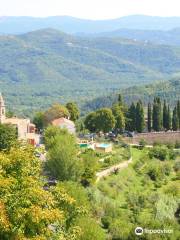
19	25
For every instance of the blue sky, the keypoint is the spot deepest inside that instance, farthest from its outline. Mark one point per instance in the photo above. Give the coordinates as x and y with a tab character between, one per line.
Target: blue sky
89	9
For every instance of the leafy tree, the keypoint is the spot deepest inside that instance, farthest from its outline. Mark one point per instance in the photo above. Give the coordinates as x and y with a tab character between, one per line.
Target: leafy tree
140	121
62	160
73	111
27	210
119	117
54	112
50	133
8	136
90	122
101	120
149	117
39	120
105	120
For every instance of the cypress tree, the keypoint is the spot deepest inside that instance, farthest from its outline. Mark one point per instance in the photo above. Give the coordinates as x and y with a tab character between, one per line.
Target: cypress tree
131	118
175	120
120	100
165	116
169	123
140	121
178	113
157	115
149	117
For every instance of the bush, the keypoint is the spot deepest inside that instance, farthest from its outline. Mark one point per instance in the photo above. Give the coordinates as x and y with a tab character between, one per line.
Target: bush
142	143
158	152
177	144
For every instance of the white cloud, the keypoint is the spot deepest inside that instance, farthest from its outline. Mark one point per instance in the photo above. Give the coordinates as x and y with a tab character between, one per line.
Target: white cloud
92	9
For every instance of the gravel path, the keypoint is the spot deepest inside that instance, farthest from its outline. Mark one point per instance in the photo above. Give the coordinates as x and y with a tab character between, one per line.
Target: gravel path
112	169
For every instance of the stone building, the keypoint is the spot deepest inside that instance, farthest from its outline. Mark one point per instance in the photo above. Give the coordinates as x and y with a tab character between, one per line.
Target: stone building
25	129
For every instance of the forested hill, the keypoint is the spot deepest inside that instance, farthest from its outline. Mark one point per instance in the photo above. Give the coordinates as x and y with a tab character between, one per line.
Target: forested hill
169	90
46	66
171	37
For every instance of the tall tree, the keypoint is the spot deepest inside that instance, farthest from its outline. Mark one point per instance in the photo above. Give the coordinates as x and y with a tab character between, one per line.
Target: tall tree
73	111
165	116
175	120
169	120
149	117
131	118
140	121
157	114
119	117
178	112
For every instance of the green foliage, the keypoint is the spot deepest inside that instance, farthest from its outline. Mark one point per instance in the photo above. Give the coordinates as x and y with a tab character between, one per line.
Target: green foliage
28	211
62	160
38	120
101	120
55	112
162	153
8	136
119	116
140	121
157	114
73	111
90	162
146	195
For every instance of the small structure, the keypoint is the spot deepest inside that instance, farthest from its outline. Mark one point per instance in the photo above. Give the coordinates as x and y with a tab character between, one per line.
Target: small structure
103	147
65	123
25	129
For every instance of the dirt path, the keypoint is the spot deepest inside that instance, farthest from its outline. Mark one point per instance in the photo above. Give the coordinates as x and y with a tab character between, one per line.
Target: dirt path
111	170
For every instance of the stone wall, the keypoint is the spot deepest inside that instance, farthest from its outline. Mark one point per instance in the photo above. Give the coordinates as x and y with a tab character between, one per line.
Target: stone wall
150	138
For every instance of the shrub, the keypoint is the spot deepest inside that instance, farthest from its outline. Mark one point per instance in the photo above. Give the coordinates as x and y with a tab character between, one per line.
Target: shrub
158	152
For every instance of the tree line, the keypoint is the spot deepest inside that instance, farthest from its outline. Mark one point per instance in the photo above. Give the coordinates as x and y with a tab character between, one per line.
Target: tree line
121	117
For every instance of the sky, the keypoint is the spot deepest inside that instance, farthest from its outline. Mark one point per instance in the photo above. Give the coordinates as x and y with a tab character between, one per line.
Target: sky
89	9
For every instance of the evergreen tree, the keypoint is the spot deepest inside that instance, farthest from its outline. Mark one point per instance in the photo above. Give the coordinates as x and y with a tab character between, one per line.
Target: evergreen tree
178	112
149	117
140	121
120	100
169	119
165	116
131	118
175	121
157	115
